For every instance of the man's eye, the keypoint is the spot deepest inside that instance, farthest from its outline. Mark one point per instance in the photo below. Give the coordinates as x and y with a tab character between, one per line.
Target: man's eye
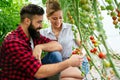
60	18
39	21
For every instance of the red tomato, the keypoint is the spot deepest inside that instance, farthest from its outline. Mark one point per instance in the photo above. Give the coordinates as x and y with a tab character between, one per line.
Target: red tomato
114	17
88	58
74	52
94	41
91	37
92	51
95	49
102	55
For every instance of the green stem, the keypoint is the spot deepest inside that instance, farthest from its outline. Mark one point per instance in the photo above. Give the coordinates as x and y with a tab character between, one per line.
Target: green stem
108	55
103	3
96	13
117	4
78	19
116	56
80	30
104	69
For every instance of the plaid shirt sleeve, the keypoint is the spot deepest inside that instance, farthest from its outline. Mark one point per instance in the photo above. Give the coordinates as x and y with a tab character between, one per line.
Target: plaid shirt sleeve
20	54
44	39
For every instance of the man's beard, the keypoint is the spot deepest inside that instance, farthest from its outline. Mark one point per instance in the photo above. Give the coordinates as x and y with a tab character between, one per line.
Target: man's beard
33	32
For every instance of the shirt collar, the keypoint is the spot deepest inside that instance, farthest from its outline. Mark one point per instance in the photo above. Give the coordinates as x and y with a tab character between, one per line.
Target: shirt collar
22	34
63	27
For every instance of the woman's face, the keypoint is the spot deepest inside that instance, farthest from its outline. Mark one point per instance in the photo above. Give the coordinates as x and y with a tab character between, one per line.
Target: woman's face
56	19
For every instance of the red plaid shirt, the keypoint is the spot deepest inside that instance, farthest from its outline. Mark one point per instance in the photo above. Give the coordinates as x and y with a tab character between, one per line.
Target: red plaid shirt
16	59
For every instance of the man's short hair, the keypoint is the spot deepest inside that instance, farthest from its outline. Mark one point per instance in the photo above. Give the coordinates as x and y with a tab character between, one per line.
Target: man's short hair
30	10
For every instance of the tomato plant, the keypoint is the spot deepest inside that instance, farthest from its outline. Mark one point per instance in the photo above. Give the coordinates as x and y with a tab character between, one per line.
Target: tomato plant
90	26
9	18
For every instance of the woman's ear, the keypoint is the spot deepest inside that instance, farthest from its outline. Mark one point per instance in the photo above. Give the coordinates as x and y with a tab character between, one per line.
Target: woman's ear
47	17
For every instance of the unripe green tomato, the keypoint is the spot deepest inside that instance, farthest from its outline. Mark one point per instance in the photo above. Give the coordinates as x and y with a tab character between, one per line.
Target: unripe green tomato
87	20
117	26
110	7
101	17
113	13
86	7
96	44
83	1
108	1
102	7
106	63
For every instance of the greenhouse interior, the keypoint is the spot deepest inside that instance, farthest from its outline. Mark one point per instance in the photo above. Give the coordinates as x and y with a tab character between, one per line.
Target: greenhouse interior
94	26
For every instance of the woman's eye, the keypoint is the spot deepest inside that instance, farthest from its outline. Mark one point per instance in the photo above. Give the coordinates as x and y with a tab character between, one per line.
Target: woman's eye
54	18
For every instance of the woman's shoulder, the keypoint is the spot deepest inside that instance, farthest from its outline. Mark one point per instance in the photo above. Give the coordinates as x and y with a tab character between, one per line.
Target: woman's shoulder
68	25
45	31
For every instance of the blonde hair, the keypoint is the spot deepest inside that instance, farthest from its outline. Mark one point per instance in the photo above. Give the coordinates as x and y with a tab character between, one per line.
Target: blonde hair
52	6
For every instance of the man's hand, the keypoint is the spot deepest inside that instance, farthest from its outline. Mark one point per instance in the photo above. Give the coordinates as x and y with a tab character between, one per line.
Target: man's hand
75	60
37	51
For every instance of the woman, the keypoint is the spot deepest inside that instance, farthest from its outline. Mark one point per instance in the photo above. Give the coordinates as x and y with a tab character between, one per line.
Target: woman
62	32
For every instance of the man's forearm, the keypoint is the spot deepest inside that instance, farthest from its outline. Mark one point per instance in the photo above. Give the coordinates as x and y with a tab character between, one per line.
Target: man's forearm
51	69
51	46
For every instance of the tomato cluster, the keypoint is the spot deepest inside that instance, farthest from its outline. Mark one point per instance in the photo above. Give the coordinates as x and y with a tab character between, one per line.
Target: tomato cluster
94	50
77	51
115	17
94	42
70	17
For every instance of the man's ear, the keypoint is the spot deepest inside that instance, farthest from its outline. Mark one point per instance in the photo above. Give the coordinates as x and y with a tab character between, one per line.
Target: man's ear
27	21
